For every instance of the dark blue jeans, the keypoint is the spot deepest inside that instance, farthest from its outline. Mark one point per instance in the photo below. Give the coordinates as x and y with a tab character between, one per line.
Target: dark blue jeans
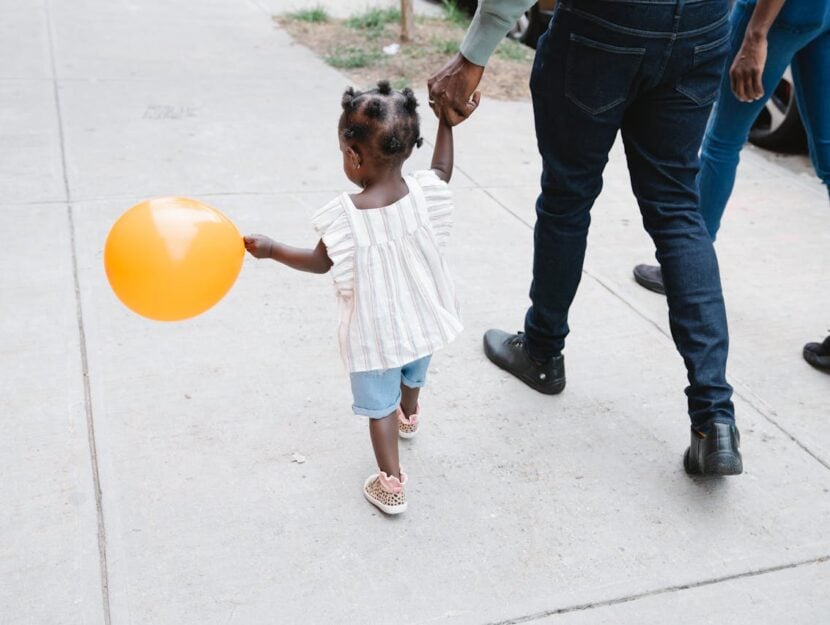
650	69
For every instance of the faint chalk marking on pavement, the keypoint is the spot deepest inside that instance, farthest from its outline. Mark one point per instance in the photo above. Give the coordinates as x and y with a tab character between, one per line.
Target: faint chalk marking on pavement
660	591
90	423
156	111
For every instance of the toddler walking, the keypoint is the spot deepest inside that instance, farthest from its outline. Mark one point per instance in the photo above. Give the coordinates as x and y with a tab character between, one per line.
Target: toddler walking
384	247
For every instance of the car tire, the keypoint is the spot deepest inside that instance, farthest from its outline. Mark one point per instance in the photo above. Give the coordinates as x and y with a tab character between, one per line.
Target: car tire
531	26
469	6
779	127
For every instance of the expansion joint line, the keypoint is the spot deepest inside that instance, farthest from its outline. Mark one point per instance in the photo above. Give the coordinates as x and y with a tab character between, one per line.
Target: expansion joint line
745	395
660	591
90	421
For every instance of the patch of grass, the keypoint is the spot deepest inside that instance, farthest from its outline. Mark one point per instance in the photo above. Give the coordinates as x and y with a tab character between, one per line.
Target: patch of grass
400	82
355	47
317	15
416	53
350	57
455	14
513	51
445	46
374	19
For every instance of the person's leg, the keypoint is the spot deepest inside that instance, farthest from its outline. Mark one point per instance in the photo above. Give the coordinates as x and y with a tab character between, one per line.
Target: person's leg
575	130
661	133
376	395
732	120
581	80
811	76
409	400
413	379
384	435
728	130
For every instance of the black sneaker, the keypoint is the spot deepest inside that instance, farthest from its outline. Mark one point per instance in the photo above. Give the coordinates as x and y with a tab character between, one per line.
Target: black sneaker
509	351
650	277
716	452
818	354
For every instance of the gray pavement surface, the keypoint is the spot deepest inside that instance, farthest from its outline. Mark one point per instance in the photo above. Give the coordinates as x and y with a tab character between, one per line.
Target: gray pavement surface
147	468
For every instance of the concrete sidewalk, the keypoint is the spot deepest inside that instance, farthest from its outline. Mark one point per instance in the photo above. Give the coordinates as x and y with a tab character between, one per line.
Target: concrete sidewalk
147	468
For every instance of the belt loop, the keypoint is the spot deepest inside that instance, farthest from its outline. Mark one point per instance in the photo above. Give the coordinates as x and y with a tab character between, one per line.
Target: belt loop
681	4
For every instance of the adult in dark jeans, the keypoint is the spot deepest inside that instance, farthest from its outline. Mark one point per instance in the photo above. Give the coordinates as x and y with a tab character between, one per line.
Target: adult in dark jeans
767	36
650	69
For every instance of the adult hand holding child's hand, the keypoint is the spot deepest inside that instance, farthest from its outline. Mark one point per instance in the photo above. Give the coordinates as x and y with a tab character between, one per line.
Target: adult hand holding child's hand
258	245
452	90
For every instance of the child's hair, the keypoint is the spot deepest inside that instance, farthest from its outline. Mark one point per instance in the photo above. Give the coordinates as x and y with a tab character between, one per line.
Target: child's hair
383	121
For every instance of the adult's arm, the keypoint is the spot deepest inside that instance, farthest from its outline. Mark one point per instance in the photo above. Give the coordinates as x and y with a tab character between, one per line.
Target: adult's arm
748	67
492	21
452	89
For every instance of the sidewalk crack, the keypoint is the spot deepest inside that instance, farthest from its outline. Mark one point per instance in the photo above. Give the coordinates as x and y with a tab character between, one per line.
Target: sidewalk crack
90	421
744	396
659	591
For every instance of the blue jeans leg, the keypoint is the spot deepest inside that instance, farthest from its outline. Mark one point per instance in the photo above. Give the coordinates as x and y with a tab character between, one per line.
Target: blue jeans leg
811	75
730	124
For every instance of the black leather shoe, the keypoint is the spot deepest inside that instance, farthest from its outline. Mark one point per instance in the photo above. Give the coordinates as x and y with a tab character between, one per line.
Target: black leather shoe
716	452
818	354
509	351
651	277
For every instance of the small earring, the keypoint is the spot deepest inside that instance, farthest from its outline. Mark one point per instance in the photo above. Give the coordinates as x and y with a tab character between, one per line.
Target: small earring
357	166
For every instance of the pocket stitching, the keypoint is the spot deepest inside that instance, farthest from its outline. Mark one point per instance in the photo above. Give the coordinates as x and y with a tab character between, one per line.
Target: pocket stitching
607	47
705	47
590	43
701	49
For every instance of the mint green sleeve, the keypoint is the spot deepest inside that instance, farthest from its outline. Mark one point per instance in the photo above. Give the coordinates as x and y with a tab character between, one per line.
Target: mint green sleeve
489	26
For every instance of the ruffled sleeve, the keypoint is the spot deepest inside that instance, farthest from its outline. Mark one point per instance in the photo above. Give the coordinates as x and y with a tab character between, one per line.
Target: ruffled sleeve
332	225
439	203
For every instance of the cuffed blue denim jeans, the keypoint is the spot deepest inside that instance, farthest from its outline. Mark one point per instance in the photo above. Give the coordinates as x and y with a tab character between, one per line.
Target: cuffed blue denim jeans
649	69
800	37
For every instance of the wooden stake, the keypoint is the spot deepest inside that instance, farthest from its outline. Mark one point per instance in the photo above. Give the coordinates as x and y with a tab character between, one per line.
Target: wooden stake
407	21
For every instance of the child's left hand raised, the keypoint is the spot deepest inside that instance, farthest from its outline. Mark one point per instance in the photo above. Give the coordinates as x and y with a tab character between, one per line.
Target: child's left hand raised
258	245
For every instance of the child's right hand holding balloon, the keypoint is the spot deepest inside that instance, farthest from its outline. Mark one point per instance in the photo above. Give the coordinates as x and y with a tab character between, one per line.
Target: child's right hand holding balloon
259	246
314	260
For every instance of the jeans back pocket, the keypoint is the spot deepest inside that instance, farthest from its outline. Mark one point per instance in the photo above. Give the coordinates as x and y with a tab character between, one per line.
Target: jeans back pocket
598	76
702	81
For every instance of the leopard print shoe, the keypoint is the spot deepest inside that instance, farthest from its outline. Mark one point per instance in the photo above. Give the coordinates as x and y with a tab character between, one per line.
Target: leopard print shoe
386	492
408	427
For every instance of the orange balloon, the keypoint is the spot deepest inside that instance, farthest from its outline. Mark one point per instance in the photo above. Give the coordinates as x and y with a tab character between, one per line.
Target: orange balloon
172	258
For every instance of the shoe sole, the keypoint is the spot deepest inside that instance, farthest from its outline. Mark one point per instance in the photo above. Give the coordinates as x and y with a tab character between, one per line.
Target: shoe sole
556	387
390	510
654	287
407	435
718	463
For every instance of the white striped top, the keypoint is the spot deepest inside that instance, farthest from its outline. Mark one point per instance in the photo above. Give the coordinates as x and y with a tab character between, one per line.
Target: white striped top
396	297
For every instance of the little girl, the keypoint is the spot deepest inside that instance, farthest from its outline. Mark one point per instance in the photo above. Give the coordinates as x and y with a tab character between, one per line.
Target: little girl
384	247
